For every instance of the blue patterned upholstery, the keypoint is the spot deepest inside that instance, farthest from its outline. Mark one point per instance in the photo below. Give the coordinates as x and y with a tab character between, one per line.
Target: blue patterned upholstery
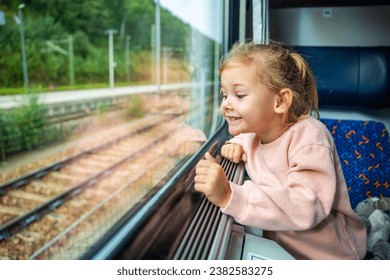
364	151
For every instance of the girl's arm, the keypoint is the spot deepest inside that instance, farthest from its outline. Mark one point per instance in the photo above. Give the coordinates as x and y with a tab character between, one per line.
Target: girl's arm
301	200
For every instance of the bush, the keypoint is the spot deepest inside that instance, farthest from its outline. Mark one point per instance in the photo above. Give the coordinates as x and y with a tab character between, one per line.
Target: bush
136	107
24	127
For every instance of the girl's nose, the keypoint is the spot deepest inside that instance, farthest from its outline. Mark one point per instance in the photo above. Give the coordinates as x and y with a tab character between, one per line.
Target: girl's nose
226	104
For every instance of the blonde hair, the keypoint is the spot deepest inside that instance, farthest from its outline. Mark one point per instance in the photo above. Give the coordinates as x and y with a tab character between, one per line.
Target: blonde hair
279	68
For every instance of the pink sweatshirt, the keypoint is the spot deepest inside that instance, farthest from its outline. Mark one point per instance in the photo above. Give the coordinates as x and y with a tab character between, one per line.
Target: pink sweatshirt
297	194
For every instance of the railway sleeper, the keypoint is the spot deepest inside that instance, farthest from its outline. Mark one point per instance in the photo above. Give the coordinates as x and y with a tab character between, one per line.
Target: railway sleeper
46	187
29	196
11	210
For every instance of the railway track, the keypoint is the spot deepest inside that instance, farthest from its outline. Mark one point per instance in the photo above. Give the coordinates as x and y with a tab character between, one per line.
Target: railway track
59	210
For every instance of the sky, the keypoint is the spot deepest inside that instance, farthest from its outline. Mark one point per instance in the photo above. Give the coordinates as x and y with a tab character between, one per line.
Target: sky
204	15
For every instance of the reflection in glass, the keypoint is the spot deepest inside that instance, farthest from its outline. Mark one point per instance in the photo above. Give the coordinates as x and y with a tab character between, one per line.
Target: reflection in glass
98	128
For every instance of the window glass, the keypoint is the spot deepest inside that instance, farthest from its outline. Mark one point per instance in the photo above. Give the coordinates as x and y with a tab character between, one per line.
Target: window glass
99	102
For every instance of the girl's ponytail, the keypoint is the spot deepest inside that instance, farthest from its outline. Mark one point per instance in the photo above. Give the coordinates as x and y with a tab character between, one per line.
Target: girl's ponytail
306	79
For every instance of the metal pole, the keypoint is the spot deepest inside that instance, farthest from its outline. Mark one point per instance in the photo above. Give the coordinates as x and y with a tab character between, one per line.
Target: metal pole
158	46
111	63
71	60
165	51
24	61
127	53
111	57
152	51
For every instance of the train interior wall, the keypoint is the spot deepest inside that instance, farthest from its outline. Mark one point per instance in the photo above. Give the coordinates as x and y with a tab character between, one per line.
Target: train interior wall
363	26
357	26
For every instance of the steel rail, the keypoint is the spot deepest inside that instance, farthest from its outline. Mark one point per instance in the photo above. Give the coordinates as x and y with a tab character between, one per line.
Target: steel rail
25	219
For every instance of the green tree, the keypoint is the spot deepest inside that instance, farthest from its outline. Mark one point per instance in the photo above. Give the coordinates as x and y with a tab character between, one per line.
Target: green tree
87	22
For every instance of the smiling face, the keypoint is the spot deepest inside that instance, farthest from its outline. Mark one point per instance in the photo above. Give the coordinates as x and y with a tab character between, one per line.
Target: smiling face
248	105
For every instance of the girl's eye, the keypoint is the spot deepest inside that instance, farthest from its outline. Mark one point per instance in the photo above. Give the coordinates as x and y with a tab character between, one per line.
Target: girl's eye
240	96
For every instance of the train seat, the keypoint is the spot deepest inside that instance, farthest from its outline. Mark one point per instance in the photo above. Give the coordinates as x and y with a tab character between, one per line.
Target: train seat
350	76
364	151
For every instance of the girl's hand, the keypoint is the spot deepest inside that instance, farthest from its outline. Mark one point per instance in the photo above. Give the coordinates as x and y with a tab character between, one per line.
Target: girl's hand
211	180
233	152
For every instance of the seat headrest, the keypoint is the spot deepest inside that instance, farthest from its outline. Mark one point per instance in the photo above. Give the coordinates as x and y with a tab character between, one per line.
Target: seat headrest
350	76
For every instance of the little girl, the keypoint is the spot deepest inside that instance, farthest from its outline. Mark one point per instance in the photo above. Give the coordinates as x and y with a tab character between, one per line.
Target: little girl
297	192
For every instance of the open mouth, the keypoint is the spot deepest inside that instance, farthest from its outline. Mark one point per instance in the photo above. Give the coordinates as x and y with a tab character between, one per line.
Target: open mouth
232	118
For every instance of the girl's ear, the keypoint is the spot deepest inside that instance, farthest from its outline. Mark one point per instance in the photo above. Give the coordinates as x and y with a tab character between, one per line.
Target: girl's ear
282	101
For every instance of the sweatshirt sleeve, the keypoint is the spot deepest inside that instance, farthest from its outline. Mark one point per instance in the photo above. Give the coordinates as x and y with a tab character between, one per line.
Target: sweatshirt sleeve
302	200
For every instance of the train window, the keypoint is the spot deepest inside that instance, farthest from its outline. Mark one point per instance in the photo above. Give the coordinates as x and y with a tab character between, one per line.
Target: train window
100	101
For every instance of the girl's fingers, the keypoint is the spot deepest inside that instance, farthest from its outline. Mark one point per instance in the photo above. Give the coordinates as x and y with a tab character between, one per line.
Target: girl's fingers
237	155
203	164
199	179
210	158
244	157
